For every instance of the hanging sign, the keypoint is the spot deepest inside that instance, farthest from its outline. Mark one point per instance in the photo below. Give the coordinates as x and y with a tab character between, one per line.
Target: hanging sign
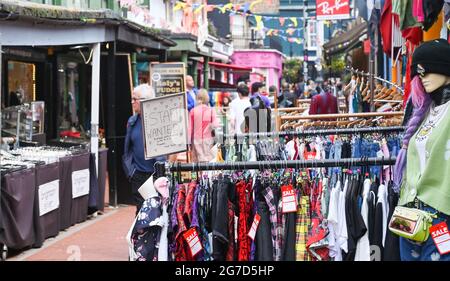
191	237
332	9
80	183
164	125
252	232
48	197
167	78
441	237
289	202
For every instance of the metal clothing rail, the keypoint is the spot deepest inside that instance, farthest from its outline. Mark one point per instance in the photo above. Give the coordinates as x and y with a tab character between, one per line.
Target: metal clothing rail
319	132
356	71
262	165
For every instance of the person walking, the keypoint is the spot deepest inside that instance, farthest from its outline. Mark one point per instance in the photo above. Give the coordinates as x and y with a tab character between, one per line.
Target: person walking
136	167
202	122
237	107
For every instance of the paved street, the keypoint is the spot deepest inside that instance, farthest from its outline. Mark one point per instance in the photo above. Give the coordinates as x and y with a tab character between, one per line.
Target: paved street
99	239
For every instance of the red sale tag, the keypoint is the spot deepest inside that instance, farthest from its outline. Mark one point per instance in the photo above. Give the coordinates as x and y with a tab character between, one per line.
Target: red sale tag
441	237
193	241
288	199
254	227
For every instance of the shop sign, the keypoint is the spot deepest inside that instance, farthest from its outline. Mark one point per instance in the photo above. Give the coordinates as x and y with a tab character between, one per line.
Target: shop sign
164	125
332	9
48	197
80	183
167	78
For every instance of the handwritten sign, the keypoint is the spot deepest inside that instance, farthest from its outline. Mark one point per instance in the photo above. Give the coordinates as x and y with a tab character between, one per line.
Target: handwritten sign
48	197
167	78
80	183
332	9
164	125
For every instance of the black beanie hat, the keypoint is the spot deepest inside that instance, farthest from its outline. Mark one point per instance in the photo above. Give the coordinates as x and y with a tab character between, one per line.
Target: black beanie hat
431	57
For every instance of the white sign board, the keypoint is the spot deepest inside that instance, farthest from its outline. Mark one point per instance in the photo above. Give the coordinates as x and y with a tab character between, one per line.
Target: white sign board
48	197
164	125
80	183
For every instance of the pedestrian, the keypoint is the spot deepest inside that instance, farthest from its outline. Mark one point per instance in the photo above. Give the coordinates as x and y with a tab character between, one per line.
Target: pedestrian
273	92
323	103
256	92
136	167
202	123
191	92
237	107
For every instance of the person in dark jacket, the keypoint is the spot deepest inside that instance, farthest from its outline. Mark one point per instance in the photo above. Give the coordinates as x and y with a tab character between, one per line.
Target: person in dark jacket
134	145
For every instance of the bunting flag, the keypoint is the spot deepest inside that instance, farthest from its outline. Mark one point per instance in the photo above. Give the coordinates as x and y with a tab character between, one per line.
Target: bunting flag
179	6
282	20
259	23
245	7
197	10
254	3
294	21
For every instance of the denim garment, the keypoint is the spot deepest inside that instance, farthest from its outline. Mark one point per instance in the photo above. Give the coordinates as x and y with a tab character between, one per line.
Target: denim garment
426	251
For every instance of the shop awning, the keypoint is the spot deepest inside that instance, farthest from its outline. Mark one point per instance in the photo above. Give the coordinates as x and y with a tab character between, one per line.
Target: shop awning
346	41
47	25
229	67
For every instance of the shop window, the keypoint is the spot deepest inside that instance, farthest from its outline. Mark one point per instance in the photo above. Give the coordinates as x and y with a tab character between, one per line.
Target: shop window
21	83
312	35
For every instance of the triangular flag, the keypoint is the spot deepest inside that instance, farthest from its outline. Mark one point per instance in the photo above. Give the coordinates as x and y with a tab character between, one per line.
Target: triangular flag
246	7
254	3
294	20
282	20
259	24
198	9
179	6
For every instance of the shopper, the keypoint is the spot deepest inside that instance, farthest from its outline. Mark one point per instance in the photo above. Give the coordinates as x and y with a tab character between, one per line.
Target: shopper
202	122
421	171
191	92
273	92
237	107
136	168
324	103
256	92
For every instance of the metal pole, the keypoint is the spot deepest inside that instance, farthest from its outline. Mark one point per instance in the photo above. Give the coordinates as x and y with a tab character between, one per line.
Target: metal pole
305	43
372	94
95	103
294	164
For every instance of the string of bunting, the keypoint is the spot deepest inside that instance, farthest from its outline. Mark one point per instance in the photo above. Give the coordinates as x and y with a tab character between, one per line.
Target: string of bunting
235	9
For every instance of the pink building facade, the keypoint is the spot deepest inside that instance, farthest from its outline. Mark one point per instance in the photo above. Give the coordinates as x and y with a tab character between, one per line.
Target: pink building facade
265	63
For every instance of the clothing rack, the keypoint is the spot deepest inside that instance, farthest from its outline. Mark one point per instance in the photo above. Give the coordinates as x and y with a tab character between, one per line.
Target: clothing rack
319	132
362	73
261	165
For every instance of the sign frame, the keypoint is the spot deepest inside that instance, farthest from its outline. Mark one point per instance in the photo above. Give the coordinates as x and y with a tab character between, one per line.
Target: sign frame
333	11
145	104
155	68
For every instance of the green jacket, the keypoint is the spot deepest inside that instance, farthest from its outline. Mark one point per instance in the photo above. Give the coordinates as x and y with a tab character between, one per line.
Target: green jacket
433	186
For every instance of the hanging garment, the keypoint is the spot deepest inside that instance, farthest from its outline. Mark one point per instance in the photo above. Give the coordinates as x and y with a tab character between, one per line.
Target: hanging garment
182	252
147	230
220	218
381	219
202	209
302	228
245	199
363	245
392	242
431	9
333	218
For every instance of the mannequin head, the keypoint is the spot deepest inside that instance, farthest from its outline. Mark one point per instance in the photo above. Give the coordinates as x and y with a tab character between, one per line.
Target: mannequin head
433	81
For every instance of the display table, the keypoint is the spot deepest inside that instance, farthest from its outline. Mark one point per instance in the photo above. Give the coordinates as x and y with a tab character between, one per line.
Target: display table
80	191
47	203
17	209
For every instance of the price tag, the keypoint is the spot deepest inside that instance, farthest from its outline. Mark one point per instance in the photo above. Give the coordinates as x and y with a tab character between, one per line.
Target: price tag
254	227
289	202
441	237
193	241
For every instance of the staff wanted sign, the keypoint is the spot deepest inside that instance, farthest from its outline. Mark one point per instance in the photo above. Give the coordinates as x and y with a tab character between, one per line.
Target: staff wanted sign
164	125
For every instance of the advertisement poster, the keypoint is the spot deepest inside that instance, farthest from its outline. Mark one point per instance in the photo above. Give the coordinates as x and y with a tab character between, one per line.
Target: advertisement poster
167	78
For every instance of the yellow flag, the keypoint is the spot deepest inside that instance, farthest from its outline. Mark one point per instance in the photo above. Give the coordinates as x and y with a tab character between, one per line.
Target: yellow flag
196	11
254	3
179	6
294	20
259	23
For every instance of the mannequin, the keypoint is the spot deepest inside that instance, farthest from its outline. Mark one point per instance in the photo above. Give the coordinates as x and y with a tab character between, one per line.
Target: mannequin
423	165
